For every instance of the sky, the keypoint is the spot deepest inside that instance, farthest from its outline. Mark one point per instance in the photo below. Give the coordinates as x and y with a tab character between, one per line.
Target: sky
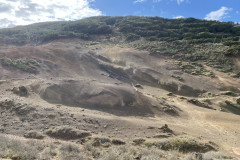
23	12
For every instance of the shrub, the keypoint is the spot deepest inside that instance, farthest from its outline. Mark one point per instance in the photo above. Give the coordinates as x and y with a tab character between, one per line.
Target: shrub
34	135
7	62
132	37
30	65
21	91
229	93
70	151
215	155
181	144
138	141
11	148
188	145
67	133
118	142
101	141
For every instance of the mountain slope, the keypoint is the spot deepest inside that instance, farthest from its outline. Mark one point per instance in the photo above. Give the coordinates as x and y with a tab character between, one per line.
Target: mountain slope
117	82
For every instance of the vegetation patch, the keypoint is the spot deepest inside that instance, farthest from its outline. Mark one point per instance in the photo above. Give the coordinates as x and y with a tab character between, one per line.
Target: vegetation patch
138	141
170	94
200	104
166	129
192	57
28	65
181	144
178	78
231	107
118	142
70	151
193	40
42	150
15	149
101	141
7	104
67	133
21	91
230	93
92	43
34	135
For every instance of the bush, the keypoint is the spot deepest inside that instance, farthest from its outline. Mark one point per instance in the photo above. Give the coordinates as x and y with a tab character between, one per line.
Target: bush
11	148
132	37
229	93
30	65
138	141
67	133
21	91
118	142
70	151
34	135
181	144
215	155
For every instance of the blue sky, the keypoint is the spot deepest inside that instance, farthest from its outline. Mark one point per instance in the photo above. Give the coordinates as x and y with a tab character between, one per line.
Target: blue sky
222	10
23	12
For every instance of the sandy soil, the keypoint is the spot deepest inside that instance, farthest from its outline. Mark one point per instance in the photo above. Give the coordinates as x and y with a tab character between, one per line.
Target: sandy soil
92	87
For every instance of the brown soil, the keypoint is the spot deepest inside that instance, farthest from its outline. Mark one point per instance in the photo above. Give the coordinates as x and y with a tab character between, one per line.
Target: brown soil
92	88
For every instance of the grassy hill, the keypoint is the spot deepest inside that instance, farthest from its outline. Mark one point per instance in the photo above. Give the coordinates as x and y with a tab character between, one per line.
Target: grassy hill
213	43
150	28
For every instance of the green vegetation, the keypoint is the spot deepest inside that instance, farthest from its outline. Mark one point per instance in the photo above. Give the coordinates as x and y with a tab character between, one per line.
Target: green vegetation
92	43
231	107
21	91
138	85
195	56
138	141
230	93
28	65
14	149
195	69
150	28
118	142
66	133
178	78
211	43
44	32
42	150
191	29
181	144
34	135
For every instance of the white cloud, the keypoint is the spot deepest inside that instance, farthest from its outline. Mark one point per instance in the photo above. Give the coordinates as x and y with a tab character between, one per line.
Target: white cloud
219	14
178	17
23	12
180	1
139	1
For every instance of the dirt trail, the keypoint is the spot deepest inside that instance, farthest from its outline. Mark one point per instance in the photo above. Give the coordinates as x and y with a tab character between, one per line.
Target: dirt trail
224	80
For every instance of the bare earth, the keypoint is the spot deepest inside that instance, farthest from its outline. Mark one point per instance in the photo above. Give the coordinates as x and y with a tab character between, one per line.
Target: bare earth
93	88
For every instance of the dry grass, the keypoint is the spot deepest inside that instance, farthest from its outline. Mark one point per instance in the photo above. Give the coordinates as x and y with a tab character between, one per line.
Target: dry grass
67	133
182	144
14	148
37	149
34	135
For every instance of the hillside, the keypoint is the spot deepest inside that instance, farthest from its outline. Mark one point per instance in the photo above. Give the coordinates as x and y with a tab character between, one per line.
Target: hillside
162	88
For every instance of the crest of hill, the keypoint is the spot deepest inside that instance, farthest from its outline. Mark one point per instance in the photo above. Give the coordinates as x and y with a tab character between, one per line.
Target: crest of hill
151	28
